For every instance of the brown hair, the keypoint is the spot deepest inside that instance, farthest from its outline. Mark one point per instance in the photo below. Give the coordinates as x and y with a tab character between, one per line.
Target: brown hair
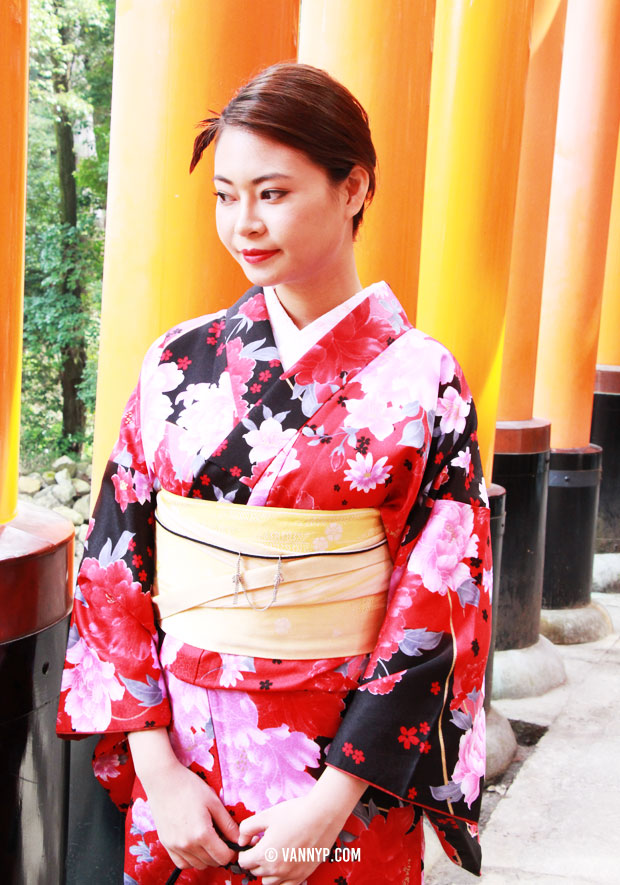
306	109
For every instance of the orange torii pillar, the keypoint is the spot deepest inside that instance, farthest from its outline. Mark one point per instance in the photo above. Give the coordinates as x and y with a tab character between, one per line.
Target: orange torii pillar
173	63
527	664
36	545
581	192
480	60
606	413
382	53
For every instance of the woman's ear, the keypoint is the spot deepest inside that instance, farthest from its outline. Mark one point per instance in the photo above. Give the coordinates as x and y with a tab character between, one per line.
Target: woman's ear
355	189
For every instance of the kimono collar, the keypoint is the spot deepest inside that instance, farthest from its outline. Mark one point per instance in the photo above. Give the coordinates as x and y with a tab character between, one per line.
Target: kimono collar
292	342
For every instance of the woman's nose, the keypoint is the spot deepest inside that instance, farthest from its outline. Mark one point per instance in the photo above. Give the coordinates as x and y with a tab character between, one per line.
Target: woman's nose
249	220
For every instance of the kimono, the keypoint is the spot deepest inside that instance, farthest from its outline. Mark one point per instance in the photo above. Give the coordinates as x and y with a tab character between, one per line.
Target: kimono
374	414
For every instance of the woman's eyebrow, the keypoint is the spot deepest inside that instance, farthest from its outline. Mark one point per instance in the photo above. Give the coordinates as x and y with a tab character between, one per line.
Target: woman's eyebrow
261	178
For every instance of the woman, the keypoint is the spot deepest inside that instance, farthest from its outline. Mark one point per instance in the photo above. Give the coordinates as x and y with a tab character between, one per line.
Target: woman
312	673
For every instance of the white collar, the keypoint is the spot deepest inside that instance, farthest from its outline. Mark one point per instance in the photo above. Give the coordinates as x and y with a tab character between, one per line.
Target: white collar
292	342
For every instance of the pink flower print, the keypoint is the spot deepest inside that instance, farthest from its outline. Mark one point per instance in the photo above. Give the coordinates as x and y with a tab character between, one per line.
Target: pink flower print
93	686
472	757
463	460
191	734
447	540
255	308
262	766
453	410
358	756
141	816
347	748
106	767
124	492
364	475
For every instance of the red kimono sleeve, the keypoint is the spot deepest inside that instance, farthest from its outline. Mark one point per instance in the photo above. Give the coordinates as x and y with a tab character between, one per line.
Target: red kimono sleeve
112	681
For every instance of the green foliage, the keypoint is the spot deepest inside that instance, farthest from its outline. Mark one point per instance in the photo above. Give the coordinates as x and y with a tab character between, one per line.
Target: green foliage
71	44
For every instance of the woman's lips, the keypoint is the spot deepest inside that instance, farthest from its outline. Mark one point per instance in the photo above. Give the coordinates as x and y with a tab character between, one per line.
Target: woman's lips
255	256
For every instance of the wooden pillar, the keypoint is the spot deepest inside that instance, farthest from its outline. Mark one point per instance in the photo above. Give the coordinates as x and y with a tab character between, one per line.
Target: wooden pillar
609	339
516	397
173	62
382	53
481	53
13	140
585	153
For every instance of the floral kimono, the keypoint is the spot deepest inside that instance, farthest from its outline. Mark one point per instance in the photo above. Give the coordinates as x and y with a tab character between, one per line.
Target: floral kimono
374	414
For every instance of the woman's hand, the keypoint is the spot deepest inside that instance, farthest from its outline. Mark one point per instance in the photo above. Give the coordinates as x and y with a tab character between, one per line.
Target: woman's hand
311	822
184	808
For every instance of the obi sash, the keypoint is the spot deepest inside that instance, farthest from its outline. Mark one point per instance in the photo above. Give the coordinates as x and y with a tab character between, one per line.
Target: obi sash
268	581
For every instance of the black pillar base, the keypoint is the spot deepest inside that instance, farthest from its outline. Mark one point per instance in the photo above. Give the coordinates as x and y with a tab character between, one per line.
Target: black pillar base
521	465
606	433
574	479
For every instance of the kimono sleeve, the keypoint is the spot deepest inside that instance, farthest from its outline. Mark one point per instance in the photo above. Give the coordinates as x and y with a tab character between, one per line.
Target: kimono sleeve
112	680
415	727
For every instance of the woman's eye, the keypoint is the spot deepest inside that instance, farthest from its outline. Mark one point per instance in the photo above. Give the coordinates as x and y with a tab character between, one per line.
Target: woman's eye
222	197
272	194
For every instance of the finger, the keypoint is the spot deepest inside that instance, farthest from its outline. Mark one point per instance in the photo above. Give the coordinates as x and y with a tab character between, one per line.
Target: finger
251	826
228	827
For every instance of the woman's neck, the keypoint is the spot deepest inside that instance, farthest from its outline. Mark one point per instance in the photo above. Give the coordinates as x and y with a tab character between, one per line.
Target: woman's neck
304	304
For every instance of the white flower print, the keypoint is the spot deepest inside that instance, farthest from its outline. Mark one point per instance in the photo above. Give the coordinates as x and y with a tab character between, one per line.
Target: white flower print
374	413
267	440
364	475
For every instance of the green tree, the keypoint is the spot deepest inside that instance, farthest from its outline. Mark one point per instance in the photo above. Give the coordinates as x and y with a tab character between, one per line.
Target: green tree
70	94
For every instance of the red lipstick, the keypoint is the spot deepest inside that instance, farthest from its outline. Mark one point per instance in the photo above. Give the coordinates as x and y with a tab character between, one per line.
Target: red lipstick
255	256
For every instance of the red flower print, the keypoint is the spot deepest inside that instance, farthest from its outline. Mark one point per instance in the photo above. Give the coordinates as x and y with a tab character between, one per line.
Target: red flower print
312	712
264	376
137	560
149	550
235	471
124	492
166	473
166	355
205	480
351	344
142	575
435	688
384	685
408	737
388	846
424	747
347	748
274	363
183	362
131	545
220	448
211	339
412	793
256	388
216	328
424	727
358	757
196	493
125	614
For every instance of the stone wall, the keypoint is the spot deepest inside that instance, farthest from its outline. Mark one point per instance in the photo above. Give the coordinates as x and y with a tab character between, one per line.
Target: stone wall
64	488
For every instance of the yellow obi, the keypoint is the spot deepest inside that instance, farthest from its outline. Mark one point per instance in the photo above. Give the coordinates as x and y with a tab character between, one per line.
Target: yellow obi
270	582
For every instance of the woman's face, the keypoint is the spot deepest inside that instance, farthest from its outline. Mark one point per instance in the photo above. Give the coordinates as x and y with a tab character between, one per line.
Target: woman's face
278	213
